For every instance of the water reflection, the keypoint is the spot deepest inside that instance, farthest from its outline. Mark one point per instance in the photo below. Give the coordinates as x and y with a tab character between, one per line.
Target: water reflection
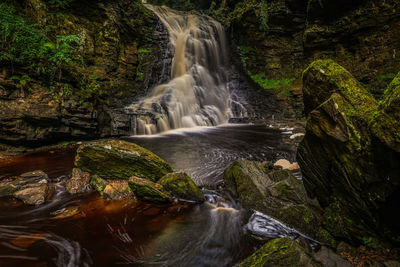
86	230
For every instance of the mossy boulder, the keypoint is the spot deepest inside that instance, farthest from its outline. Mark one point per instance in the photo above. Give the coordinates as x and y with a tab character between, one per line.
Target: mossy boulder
391	98
275	192
349	156
180	185
281	252
148	191
120	160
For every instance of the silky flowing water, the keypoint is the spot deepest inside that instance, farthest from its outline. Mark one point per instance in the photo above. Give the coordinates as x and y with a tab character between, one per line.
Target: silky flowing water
110	233
198	93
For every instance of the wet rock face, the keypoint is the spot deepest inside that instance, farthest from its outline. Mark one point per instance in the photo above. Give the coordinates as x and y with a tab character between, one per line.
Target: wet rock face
32	187
349	156
123	53
275	192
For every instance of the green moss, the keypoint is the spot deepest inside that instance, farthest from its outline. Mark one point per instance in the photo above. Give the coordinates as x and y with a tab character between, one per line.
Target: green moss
280	252
338	80
325	237
149	191
181	186
266	83
115	159
98	183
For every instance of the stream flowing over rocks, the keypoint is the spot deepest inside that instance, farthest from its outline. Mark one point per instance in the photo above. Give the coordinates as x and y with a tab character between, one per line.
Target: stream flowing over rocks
199	136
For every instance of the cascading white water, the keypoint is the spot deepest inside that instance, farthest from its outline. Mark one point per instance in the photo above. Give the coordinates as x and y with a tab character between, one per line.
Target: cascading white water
198	93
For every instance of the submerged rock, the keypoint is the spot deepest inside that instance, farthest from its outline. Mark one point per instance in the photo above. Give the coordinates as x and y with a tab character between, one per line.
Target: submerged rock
79	182
34	194
32	187
350	154
148	191
120	160
281	252
275	192
181	186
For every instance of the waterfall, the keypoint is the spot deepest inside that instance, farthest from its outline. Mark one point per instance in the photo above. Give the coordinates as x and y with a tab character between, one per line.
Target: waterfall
198	93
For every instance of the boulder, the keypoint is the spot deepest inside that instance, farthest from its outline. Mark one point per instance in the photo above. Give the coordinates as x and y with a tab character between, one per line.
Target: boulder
98	183
117	189
349	156
120	160
180	185
79	182
33	194
111	189
281	252
149	191
32	187
275	192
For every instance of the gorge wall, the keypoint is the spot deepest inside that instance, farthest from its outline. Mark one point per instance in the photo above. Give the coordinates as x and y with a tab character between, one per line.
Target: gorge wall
123	53
118	57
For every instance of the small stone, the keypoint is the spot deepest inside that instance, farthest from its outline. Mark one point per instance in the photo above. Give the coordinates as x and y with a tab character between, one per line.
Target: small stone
286	165
295	136
118	189
67	212
34	194
79	182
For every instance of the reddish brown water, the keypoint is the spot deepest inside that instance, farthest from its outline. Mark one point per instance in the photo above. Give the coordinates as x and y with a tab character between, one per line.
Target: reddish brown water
110	233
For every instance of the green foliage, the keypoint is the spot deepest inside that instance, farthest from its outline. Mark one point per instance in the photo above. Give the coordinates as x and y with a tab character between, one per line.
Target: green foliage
264	14
244	52
265	83
144	50
60	3
27	45
20	42
90	87
21	80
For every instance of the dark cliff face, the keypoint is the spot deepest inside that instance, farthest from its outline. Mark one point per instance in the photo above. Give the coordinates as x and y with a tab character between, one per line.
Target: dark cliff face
120	58
349	156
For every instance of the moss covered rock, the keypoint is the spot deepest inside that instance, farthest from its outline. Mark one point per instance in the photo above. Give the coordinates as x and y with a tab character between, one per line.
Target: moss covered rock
349	156
148	191
181	186
281	252
120	160
391	98
275	192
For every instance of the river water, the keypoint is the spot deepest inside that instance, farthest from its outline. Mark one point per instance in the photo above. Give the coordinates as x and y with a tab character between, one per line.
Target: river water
113	233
